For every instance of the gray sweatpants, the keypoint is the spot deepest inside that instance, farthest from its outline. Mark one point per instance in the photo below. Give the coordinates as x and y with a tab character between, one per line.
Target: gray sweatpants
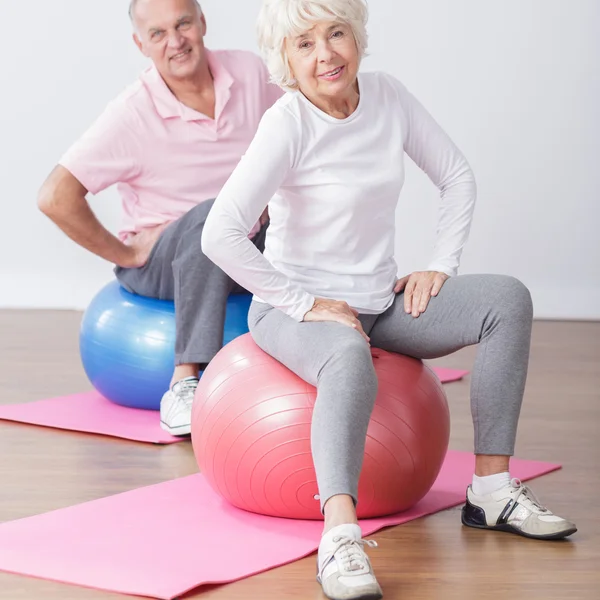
178	270
493	311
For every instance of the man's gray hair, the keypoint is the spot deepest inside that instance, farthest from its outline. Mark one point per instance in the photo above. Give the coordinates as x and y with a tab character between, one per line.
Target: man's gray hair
133	3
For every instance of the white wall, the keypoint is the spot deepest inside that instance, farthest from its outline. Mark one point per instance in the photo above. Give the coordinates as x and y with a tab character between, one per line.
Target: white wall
515	83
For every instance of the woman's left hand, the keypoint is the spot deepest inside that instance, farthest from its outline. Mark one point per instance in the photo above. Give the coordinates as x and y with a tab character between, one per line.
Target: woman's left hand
264	218
418	288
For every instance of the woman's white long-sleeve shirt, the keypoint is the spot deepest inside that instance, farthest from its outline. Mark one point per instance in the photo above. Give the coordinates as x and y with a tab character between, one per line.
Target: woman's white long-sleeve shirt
332	186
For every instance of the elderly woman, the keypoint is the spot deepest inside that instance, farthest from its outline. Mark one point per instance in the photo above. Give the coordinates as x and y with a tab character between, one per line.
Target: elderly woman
330	154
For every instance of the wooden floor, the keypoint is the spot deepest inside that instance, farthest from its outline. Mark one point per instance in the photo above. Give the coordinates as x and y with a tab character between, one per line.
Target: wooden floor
431	558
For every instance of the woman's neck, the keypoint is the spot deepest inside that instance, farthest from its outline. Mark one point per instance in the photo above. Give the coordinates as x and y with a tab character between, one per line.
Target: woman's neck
338	107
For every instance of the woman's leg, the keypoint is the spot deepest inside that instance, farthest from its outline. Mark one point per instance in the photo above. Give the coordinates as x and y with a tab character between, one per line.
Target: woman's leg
336	359
495	312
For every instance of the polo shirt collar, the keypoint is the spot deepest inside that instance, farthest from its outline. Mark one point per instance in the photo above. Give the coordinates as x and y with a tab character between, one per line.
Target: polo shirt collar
169	107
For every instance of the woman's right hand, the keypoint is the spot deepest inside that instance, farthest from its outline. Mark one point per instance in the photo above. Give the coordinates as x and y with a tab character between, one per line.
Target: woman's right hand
335	310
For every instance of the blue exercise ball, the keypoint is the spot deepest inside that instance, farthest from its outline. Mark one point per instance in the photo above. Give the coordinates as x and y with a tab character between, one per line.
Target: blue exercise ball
127	343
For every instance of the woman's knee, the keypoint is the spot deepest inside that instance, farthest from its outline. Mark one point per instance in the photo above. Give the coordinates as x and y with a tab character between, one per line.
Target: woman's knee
350	346
513	298
350	358
501	299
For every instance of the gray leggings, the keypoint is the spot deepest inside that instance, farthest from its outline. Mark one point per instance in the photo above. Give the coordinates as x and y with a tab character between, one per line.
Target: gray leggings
493	311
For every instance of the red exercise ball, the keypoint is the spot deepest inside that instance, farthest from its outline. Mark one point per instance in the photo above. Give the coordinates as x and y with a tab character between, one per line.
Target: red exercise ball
251	434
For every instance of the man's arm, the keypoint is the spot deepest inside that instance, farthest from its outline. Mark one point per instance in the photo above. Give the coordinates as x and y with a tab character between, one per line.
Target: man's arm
62	199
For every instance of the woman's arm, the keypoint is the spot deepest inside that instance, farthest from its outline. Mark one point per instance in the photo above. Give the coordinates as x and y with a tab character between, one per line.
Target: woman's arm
258	176
434	152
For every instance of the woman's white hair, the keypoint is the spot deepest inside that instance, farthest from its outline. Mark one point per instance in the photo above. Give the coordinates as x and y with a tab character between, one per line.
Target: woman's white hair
279	19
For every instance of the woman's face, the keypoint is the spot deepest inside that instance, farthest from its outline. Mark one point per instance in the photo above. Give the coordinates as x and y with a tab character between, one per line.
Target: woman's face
324	60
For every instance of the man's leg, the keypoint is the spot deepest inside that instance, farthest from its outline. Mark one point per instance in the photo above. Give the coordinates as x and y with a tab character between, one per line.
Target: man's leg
178	270
494	312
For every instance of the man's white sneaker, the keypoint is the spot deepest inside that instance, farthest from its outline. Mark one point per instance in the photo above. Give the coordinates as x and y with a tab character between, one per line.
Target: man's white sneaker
176	407
343	568
515	509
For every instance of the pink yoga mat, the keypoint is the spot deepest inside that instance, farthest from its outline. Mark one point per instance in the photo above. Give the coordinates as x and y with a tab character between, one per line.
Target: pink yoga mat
449	375
165	540
91	413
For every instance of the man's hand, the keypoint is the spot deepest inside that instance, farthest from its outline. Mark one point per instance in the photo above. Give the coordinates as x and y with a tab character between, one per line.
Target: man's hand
62	198
140	245
418	288
335	310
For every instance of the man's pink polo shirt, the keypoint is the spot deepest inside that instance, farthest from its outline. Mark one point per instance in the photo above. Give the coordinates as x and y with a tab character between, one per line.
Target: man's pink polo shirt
164	156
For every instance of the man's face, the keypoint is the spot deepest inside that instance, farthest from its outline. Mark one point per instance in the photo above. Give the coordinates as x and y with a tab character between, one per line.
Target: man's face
171	33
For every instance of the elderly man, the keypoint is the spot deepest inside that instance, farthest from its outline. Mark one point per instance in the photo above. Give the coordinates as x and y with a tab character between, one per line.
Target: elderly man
169	141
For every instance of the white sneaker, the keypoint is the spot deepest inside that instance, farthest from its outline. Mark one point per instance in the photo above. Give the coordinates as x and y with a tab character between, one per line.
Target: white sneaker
515	509
344	569
176	407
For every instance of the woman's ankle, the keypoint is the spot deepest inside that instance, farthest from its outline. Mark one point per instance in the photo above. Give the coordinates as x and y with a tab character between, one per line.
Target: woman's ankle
339	510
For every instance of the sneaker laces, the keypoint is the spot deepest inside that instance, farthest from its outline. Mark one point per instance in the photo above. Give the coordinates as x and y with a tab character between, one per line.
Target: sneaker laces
185	390
526	497
351	553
